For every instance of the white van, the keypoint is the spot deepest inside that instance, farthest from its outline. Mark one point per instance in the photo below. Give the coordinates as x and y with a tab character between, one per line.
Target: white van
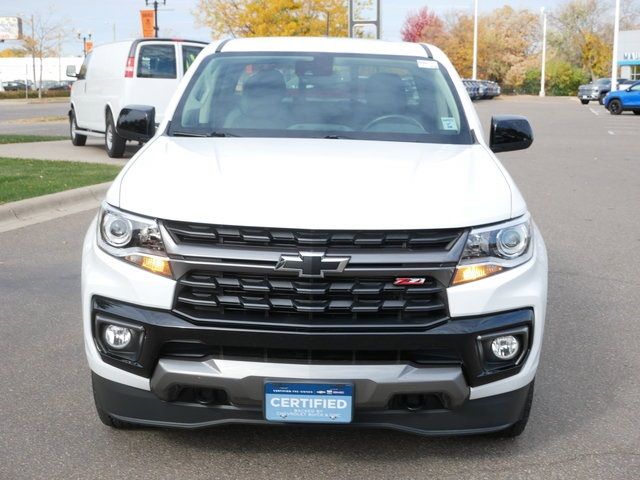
143	71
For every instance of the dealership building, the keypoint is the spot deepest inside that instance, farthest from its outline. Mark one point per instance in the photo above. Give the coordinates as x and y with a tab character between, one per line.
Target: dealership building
629	54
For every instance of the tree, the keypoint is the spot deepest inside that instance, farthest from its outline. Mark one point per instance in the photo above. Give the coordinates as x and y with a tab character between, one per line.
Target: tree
13	52
424	26
43	41
506	37
255	18
579	25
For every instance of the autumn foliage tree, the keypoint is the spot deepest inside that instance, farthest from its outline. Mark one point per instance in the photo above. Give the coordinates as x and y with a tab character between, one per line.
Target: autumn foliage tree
424	26
257	18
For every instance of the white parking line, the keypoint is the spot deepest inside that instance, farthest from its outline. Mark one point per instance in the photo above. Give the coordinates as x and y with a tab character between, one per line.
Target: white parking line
594	112
610	132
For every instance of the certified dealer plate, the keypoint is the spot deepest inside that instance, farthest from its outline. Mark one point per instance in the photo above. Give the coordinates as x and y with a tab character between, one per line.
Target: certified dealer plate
308	402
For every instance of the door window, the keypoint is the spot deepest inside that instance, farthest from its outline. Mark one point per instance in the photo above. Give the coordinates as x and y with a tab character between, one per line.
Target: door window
157	61
189	54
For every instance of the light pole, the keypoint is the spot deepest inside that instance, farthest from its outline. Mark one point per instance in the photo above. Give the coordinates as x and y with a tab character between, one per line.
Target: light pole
155	4
84	39
544	51
475	41
614	60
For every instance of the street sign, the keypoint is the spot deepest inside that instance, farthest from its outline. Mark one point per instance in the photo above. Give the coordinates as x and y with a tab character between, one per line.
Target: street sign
88	46
10	28
148	23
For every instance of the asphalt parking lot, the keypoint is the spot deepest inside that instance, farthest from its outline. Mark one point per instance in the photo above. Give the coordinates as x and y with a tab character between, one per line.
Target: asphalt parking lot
581	180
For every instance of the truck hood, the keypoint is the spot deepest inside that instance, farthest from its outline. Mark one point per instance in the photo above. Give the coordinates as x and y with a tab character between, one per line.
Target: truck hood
316	184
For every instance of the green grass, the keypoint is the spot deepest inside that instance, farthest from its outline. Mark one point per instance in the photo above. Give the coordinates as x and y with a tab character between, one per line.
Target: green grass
29	138
20	178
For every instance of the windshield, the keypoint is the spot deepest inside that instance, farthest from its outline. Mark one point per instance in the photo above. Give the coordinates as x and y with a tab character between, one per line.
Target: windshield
368	97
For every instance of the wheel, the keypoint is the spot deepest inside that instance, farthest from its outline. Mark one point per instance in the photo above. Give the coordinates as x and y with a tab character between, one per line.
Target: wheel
517	428
615	107
77	139
636	112
584	102
113	142
601	99
105	418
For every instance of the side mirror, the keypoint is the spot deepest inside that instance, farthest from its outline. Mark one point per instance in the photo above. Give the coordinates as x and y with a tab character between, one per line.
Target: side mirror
71	71
510	132
137	122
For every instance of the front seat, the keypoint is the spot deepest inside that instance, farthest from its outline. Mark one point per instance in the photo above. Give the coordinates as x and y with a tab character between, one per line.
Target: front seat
261	103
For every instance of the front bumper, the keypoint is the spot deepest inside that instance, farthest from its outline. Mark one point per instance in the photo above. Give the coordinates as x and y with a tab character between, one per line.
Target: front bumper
472	400
589	95
483	415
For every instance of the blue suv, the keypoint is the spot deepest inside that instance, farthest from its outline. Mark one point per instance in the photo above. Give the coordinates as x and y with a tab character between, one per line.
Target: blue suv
620	100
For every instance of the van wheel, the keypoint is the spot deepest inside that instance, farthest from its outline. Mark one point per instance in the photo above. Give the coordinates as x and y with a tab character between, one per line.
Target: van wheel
615	107
113	142
636	112
517	428
77	139
584	102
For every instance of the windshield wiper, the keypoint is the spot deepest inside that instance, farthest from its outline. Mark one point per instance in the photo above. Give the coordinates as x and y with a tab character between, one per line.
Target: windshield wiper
184	133
333	136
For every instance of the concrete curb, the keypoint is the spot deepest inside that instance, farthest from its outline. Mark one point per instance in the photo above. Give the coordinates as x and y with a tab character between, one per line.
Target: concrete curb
47	207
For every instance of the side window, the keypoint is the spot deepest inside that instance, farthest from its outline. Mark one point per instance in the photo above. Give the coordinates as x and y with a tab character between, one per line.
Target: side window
82	74
157	61
189	54
636	88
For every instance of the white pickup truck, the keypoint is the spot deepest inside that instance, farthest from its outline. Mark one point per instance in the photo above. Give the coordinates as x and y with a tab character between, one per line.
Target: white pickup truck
317	232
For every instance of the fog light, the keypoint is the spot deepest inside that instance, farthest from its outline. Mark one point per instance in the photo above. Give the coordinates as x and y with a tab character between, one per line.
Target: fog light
117	337
505	347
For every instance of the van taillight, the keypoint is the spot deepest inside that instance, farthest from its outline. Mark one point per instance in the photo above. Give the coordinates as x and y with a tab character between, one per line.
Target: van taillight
128	71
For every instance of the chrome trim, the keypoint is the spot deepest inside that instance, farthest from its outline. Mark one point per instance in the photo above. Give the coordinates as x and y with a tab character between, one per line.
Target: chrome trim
243	381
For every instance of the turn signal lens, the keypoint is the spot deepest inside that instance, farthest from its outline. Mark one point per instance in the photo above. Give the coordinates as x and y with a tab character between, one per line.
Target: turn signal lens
470	273
158	265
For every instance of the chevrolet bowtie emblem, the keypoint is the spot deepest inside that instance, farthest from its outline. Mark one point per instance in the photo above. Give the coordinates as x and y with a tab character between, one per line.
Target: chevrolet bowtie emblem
312	264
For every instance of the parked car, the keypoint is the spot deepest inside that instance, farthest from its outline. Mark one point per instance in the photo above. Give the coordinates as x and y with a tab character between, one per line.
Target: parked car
596	90
15	85
308	252
481	89
143	71
627	99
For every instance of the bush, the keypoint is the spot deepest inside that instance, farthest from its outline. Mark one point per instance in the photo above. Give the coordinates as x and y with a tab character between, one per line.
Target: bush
34	94
562	78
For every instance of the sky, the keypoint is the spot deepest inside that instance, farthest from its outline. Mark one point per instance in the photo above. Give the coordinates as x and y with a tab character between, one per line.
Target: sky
119	19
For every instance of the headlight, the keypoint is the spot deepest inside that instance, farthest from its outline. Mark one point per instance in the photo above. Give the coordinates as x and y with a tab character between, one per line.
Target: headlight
134	239
491	250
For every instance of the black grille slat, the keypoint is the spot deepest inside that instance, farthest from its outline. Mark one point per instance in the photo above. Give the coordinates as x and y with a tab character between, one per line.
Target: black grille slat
192	233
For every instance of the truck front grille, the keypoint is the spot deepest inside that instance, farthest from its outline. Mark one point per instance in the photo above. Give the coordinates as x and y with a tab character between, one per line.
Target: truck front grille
202	234
337	303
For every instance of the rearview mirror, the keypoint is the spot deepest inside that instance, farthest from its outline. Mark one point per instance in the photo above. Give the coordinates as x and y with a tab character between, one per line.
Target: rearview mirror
71	71
510	132
137	122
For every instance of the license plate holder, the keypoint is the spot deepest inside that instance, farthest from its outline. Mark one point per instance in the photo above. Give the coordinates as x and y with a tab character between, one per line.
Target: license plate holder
300	402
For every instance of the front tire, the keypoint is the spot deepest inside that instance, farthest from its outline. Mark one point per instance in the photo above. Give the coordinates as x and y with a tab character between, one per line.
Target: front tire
584	102
615	107
113	142
76	139
636	112
601	99
517	428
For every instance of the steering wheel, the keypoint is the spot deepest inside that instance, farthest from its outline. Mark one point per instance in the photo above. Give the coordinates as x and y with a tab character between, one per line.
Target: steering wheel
402	119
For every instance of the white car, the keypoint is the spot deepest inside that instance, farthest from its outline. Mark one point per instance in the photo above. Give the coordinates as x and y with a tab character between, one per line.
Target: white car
145	71
317	232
